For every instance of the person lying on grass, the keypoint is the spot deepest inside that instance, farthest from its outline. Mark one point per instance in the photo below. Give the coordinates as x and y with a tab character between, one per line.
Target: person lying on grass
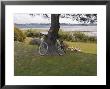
75	49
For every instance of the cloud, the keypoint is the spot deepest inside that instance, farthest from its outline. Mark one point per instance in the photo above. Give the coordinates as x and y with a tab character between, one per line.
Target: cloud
22	18
26	18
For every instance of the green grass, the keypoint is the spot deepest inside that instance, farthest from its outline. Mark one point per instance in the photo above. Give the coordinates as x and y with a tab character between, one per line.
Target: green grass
27	61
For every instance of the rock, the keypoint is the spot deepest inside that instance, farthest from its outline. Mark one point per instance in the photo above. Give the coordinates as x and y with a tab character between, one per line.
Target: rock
35	41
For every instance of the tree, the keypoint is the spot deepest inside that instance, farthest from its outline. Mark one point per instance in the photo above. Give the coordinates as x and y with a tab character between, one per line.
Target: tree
53	34
53	31
82	18
55	25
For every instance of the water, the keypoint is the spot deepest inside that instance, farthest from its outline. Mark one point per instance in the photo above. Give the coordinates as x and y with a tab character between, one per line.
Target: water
90	30
79	28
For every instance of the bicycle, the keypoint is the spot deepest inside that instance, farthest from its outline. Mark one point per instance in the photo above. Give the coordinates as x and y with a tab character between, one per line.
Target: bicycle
43	48
60	49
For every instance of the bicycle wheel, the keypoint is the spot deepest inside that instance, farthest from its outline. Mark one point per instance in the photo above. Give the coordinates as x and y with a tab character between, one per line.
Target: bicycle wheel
43	48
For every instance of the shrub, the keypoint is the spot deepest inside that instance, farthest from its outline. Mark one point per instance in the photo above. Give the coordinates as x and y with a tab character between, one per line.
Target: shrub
79	36
31	33
76	37
19	35
92	39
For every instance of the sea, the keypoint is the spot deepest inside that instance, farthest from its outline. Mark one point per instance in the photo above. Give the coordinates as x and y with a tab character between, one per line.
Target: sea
90	30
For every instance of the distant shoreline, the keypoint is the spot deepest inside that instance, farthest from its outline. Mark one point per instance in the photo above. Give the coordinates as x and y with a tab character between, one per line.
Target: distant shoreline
66	28
69	27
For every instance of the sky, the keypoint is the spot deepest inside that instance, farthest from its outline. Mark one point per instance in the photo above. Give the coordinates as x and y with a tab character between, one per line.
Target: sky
24	18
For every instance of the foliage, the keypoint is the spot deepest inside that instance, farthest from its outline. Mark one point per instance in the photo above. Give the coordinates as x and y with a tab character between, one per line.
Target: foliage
32	33
66	36
80	18
19	35
76	37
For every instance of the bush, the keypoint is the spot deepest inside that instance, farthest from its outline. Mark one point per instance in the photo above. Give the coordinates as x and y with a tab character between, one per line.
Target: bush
92	39
76	37
79	36
31	33
19	35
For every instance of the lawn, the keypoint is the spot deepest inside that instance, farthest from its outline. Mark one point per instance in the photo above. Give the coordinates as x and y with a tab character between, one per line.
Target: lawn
27	61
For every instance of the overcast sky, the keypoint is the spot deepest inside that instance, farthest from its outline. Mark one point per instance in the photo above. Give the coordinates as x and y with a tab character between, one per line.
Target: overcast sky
38	18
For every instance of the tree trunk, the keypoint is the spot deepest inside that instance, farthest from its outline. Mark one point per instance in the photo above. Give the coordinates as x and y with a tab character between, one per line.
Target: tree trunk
53	34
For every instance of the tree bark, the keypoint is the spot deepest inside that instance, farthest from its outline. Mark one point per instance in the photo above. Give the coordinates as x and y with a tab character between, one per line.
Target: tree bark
53	34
